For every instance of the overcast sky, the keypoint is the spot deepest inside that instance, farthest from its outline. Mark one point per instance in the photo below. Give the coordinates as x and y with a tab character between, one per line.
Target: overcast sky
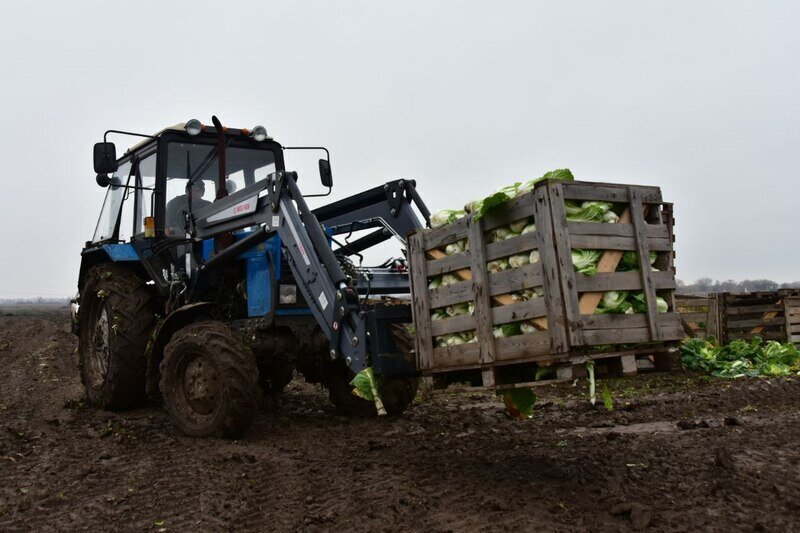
699	98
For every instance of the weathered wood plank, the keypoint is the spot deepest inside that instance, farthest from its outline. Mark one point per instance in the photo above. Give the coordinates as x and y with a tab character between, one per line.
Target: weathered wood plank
517	209
563	246
629	335
551	280
756	323
766	335
621	281
480	287
752	309
419	294
510	348
653	231
518	312
444	235
642	248
601	242
608	192
695	317
636	320
454	324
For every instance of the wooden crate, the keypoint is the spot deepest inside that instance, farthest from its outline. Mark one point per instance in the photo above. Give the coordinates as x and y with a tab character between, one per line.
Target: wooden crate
567	330
791	306
700	315
756	314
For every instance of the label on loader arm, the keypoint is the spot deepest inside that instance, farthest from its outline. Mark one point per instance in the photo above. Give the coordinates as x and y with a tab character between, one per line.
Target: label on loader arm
297	242
323	302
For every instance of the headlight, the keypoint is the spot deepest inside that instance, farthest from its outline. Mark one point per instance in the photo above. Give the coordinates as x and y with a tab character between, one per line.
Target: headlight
194	127
259	133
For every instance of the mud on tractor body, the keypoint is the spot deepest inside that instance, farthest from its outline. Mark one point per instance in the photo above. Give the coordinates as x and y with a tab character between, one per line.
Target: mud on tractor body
209	280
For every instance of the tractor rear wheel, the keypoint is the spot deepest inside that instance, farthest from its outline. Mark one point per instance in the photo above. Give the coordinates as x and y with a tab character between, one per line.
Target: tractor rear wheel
397	393
209	381
116	318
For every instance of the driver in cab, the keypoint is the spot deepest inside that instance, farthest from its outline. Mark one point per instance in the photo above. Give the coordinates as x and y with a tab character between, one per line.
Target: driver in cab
178	207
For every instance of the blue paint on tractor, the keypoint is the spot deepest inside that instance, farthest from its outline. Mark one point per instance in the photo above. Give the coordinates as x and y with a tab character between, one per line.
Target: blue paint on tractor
121	252
263	271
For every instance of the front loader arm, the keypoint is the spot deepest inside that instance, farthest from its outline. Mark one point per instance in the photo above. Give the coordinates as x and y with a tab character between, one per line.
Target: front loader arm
283	210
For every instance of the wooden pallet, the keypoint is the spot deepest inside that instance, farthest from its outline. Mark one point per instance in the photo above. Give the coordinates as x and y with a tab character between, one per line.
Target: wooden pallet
566	326
757	314
792	317
700	315
608	364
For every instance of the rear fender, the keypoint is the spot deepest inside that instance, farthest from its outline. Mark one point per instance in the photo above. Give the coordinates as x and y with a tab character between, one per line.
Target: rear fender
162	334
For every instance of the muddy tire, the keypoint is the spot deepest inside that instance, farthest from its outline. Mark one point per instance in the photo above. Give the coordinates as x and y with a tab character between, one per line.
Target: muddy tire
209	381
396	393
116	318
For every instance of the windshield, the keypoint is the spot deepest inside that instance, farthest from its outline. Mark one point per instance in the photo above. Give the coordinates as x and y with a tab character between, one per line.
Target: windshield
244	166
107	223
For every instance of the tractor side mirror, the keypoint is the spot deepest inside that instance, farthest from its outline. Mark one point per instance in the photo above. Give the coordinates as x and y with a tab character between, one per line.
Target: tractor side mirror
325	173
105	158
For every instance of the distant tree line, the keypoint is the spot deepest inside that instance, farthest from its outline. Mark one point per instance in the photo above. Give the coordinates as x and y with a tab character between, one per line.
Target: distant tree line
708	285
39	300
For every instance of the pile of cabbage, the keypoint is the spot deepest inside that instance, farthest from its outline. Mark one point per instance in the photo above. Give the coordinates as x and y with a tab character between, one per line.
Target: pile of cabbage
584	261
741	358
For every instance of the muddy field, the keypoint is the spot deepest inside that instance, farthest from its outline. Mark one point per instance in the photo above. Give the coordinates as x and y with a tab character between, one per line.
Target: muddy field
678	453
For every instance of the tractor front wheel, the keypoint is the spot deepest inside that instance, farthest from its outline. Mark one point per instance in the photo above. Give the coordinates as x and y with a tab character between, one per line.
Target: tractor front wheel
209	381
115	320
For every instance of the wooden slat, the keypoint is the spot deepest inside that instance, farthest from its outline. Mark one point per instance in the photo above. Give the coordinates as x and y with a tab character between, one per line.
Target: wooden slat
456	356
456	293
419	295
517	209
713	327
563	248
653	231
642	248
444	235
551	279
601	242
621	281
629	335
756	323
608	192
527	310
699	302
766	335
695	317
454	324
510	348
515	279
636	320
743	310
480	281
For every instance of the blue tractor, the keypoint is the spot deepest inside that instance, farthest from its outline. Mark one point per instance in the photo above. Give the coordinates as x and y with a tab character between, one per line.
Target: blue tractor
209	281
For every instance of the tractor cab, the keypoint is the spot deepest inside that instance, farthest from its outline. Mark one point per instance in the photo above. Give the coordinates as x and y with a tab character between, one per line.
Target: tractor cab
157	188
